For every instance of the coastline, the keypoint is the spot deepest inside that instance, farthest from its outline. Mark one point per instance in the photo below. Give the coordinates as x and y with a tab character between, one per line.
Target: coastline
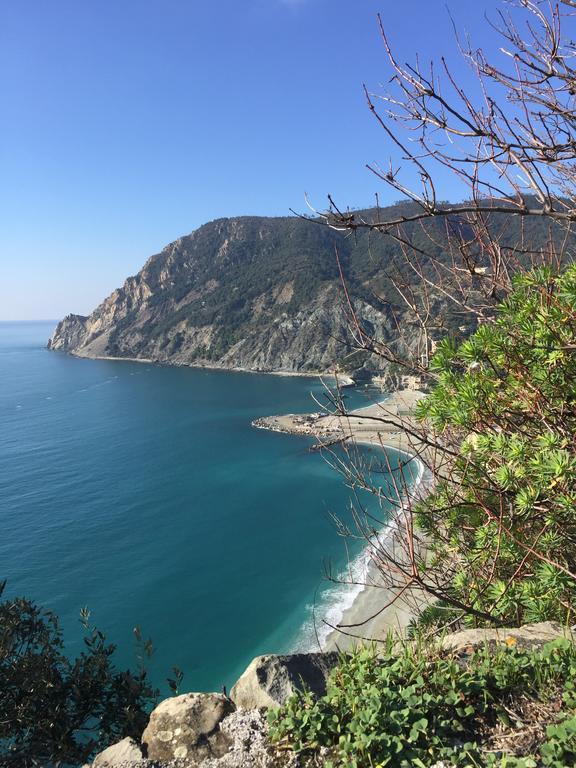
370	598
364	619
342	379
350	604
360	605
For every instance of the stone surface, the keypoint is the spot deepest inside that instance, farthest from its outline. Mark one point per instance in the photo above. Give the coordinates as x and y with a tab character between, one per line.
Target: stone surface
270	680
198	302
125	751
247	733
188	728
530	636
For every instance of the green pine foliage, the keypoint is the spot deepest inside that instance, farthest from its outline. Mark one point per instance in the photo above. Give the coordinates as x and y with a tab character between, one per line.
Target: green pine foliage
504	515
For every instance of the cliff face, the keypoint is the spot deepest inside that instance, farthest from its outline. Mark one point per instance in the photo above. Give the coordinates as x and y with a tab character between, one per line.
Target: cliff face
264	294
254	293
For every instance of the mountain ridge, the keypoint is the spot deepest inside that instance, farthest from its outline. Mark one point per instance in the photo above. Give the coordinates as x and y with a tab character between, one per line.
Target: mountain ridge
255	293
260	294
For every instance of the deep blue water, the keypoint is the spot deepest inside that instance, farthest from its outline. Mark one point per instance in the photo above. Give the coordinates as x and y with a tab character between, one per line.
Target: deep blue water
144	493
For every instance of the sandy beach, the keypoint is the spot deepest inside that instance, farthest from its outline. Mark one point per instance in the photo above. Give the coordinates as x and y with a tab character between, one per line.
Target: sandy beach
379	424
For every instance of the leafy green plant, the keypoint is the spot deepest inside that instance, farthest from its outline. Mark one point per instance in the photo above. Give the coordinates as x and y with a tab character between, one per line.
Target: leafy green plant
58	710
414	707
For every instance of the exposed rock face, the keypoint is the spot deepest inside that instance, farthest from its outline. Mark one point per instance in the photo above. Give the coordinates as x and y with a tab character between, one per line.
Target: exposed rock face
70	333
270	680
252	292
188	727
530	636
125	751
247	732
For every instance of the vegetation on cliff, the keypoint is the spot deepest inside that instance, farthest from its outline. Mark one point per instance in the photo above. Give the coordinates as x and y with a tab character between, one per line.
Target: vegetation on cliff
55	709
266	294
417	706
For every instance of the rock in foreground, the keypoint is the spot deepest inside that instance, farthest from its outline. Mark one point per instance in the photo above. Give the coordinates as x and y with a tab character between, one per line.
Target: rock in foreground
188	726
269	681
530	636
125	751
205	730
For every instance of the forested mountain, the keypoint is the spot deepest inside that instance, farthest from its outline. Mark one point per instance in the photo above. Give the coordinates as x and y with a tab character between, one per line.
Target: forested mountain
261	294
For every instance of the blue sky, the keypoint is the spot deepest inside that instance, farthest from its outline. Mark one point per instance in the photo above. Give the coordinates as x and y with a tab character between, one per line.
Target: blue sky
128	123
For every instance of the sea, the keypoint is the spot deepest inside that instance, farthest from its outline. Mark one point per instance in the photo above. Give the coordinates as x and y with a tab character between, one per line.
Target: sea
143	493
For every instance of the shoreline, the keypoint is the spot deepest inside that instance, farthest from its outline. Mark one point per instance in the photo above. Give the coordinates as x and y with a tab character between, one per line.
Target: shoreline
366	594
370	622
342	379
358	600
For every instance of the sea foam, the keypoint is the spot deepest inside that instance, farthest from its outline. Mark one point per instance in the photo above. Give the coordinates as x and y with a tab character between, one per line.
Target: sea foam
334	600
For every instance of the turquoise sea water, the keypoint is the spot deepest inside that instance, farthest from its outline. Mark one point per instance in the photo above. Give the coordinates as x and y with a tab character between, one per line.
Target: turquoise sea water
143	492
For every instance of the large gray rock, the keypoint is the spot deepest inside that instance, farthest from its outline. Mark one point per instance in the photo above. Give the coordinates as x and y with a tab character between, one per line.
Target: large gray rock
125	751
270	680
188	726
530	636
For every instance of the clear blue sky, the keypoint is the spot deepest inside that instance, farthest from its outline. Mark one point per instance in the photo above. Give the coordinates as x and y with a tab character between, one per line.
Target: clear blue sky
128	123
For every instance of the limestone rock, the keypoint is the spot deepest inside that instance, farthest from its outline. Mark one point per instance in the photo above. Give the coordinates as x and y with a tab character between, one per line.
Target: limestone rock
188	727
270	680
125	751
530	636
69	333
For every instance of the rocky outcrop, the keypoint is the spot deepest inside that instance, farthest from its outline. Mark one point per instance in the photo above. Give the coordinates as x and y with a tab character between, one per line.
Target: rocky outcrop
69	334
252	293
247	734
530	636
269	681
188	726
125	751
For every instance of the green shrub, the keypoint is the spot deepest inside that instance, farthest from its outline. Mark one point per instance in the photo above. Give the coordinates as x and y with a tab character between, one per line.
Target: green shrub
414	708
501	520
56	710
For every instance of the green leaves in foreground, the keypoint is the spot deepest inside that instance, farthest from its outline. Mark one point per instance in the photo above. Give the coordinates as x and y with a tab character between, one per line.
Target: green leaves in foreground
501	520
417	708
55	710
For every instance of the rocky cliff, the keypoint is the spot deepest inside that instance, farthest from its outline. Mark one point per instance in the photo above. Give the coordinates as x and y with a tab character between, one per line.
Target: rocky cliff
251	292
254	293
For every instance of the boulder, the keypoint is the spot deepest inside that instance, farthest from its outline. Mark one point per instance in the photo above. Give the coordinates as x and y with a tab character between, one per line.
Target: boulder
188	726
125	751
270	680
530	636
